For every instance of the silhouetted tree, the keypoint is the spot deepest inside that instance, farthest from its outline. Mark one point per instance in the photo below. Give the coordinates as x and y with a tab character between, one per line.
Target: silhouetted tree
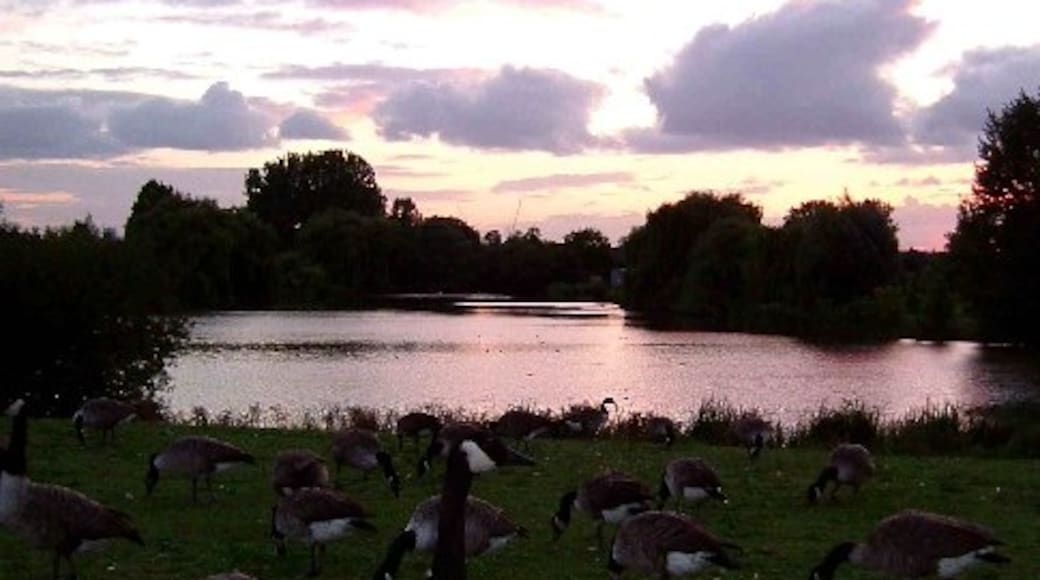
405	212
287	192
996	245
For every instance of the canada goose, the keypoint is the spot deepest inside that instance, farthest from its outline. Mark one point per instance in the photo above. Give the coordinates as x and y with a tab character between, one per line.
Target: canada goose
611	497
103	415
415	425
195	457
666	545
50	517
523	426
316	516
913	544
487	529
361	449
445	438
662	430
753	432
587	420
850	464
298	468
691	479
235	575
478	453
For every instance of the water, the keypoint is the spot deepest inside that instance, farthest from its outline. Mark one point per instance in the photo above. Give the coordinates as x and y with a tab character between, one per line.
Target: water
488	357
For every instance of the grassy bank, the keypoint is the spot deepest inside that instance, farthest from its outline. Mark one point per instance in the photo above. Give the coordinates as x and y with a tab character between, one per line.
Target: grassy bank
782	536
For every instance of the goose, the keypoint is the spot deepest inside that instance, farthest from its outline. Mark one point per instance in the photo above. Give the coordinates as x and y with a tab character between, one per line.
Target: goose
298	468
445	438
478	453
913	544
196	457
103	415
587	420
662	430
51	517
415	425
487	529
523	426
611	497
691	479
850	464
753	432
316	516
666	545
234	575
361	449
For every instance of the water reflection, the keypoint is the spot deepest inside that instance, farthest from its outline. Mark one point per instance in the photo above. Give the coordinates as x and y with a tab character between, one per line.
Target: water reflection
547	356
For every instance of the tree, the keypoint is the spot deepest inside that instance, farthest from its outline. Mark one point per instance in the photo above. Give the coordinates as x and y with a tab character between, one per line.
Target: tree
405	212
288	191
995	247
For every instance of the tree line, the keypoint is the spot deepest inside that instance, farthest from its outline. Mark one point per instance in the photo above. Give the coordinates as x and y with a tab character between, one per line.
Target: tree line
90	312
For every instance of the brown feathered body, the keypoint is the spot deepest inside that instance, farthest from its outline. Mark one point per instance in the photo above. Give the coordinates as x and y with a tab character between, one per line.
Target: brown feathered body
317	516
415	425
916	544
691	479
50	517
487	526
613	497
356	448
102	415
298	468
666	545
199	455
753	432
523	425
662	430
852	463
586	420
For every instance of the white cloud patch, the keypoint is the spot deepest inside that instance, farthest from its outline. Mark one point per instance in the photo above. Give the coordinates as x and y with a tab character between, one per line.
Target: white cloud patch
305	124
562	181
806	75
518	109
221	120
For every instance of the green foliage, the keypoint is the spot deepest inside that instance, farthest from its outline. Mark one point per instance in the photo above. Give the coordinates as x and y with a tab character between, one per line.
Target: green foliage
79	319
994	247
287	192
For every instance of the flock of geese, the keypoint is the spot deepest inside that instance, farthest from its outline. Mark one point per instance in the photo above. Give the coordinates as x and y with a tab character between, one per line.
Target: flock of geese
456	525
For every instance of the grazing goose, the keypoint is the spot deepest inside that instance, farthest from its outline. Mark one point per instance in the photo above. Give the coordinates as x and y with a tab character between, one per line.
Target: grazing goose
361	449
316	516
691	479
50	517
478	453
523	426
612	498
586	420
103	415
666	545
914	544
850	464
753	432
298	468
662	430
487	529
415	425
195	457
445	438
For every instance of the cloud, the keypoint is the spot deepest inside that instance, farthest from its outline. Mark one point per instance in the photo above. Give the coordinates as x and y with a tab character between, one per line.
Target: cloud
984	79
924	226
437	5
107	73
260	20
806	75
561	181
310	125
42	194
517	109
221	120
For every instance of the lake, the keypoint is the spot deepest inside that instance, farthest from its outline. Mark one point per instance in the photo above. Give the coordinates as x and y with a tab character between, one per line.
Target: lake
490	356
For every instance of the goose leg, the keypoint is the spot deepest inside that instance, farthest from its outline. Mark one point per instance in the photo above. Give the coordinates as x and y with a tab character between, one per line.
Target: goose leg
72	568
57	565
599	534
209	489
315	568
194	489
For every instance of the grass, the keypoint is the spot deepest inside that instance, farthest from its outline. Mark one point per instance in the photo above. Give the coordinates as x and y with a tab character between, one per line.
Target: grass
782	536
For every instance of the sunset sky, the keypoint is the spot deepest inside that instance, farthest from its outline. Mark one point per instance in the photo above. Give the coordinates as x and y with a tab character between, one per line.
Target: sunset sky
557	114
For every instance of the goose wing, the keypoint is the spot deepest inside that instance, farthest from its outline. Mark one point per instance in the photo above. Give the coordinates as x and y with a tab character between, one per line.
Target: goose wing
319	504
914	541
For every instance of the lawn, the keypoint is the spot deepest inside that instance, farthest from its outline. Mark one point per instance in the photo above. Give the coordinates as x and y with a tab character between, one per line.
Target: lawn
782	536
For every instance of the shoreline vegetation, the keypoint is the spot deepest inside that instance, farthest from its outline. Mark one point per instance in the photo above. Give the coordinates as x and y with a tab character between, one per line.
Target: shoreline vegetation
1004	430
781	535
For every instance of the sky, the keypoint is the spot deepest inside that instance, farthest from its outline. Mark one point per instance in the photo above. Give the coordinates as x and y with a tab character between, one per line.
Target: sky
555	114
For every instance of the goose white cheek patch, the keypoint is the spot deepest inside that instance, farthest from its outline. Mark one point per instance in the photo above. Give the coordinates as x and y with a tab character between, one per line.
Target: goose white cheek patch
478	460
